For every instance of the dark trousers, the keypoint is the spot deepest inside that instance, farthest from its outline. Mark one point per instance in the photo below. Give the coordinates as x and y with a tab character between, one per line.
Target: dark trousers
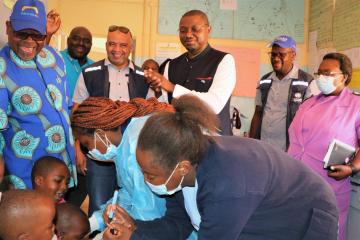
100	182
76	195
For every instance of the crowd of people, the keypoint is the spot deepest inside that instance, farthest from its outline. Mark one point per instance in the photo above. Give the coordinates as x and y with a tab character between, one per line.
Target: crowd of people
151	147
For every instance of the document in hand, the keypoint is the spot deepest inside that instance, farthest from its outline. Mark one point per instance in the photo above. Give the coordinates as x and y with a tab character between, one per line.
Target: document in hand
338	153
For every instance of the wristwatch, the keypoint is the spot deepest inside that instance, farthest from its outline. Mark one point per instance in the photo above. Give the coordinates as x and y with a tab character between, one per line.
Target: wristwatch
353	169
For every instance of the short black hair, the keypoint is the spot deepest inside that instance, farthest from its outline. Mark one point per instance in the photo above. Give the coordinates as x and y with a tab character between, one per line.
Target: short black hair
150	60
17	205
173	136
70	217
196	12
344	62
45	165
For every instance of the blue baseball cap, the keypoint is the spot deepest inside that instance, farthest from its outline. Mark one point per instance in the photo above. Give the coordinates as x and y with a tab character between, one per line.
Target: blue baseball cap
284	41
29	14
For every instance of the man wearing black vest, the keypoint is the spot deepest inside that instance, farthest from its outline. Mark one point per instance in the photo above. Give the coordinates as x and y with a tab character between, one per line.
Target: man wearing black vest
202	71
279	94
118	78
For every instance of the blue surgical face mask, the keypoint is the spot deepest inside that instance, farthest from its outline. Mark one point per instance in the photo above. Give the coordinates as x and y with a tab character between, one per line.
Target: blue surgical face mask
111	150
326	84
161	189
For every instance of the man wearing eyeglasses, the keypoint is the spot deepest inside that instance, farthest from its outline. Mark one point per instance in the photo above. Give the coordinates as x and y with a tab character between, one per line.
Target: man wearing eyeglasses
279	94
34	119
202	71
117	78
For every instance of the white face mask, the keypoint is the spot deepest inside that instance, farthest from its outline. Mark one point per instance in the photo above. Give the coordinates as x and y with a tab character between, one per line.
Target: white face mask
326	84
111	150
162	189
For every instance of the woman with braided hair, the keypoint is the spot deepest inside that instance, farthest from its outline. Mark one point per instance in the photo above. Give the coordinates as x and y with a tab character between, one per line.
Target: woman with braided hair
109	130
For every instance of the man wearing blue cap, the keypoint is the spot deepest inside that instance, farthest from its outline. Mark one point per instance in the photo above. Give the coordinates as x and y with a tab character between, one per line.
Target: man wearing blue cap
34	119
279	94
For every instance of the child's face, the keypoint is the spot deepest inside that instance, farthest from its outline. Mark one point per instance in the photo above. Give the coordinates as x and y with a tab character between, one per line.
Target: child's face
55	183
75	234
150	65
43	227
76	229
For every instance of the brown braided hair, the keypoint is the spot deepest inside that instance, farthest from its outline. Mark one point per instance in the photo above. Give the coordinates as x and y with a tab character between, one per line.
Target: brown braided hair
106	114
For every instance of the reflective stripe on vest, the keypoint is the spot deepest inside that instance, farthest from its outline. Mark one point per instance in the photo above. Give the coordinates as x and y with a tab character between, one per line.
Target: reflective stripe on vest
265	81
302	83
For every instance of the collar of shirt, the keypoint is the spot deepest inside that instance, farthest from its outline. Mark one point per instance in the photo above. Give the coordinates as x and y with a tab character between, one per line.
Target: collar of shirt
75	62
343	99
293	74
130	66
203	53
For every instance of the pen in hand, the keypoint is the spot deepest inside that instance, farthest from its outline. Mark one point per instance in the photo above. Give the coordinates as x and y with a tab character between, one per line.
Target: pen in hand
111	212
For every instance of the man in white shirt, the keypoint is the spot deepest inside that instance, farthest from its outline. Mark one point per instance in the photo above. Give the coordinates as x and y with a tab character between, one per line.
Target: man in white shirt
202	71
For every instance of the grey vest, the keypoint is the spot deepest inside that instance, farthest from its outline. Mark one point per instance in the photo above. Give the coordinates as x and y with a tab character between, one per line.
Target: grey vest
296	96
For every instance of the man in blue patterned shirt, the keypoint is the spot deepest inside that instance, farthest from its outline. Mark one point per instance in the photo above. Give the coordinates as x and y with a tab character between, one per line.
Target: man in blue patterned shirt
34	118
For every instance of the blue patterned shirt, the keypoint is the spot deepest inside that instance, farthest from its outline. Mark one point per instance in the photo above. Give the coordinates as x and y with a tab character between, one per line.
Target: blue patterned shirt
34	117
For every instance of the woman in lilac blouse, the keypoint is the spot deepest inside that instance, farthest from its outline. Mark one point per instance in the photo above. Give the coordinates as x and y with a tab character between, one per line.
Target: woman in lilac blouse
334	113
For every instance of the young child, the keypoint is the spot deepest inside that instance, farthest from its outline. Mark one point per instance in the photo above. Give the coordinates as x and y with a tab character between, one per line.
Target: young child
151	64
26	214
50	176
71	223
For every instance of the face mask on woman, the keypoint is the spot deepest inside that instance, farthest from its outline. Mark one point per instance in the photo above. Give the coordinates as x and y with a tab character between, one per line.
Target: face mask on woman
326	84
161	189
111	150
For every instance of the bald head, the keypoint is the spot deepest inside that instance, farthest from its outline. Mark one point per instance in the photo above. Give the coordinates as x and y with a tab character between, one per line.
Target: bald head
78	29
71	222
79	43
19	208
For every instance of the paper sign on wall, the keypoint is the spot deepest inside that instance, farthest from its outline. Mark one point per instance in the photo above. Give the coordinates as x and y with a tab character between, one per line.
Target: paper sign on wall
247	62
166	50
228	4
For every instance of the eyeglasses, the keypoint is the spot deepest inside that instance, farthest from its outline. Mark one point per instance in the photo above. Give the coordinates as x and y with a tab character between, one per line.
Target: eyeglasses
122	29
194	29
24	35
327	74
281	55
